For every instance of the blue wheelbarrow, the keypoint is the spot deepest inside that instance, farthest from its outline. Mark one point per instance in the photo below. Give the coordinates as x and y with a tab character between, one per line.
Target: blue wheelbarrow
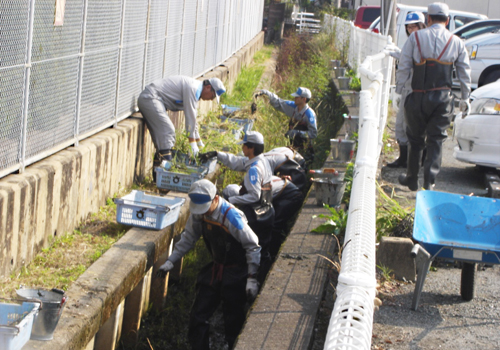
455	227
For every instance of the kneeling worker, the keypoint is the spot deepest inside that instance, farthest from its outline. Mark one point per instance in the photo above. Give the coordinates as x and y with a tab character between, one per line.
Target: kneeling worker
231	276
254	198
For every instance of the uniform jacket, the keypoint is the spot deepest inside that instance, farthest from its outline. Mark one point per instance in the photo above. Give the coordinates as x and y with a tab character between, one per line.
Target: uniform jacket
180	93
306	115
258	173
432	42
235	222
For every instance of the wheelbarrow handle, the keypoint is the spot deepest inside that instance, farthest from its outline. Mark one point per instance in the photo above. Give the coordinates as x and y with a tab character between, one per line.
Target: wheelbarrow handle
57	290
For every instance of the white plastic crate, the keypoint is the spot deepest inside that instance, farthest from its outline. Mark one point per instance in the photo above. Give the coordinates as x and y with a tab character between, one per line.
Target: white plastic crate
170	180
145	210
16	322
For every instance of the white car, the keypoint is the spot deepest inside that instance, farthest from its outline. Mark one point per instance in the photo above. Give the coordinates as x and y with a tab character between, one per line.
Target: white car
478	131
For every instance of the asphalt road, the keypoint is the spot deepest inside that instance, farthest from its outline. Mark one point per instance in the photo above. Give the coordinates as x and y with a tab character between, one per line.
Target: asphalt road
443	320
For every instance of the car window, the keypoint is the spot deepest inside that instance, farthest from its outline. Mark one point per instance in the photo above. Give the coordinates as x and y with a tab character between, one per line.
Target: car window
369	15
461	20
478	31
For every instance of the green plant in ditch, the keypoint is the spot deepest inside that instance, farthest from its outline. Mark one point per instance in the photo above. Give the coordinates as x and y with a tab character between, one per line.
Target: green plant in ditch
336	222
386	273
348	178
389	213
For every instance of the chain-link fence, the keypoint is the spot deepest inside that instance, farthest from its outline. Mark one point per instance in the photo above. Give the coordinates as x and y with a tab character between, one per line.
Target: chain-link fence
69	69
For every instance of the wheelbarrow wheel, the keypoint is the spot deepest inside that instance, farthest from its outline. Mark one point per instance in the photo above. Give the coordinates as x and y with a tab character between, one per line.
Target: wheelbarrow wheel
467	282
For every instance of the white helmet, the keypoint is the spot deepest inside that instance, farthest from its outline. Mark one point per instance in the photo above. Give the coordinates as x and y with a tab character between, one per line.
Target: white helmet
414	17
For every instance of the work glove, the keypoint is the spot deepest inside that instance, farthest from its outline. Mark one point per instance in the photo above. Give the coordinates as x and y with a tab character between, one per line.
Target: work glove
397	100
261	92
164	269
194	149
464	105
206	156
200	144
252	288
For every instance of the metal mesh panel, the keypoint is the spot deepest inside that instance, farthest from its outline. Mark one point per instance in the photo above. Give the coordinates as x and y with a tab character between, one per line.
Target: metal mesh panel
52	104
187	47
227	30
11	105
130	78
156	40
50	41
173	49
132	57
103	25
14	32
200	63
219	39
98	89
211	37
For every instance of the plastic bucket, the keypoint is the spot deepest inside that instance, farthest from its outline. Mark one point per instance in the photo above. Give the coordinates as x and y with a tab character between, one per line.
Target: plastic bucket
339	72
351	123
329	192
335	63
344	83
53	303
342	150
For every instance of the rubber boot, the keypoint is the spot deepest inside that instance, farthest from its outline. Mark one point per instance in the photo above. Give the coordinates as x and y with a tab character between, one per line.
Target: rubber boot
160	156
401	162
424	154
410	179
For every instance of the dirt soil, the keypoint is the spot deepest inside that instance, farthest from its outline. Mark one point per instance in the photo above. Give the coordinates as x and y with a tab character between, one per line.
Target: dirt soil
443	320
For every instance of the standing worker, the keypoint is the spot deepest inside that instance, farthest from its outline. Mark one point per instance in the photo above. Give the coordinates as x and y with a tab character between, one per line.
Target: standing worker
414	21
254	197
431	53
302	125
231	276
175	93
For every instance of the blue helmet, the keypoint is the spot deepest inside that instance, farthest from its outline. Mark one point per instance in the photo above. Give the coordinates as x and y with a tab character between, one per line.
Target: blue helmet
414	17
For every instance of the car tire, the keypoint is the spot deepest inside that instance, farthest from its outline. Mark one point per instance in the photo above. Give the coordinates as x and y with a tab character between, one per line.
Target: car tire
491	77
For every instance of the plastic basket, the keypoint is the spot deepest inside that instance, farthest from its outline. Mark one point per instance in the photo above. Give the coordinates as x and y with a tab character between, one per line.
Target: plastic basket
16	322
191	165
246	124
145	210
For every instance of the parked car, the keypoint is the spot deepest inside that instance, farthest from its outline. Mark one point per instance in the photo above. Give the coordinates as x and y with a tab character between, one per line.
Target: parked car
478	131
484	55
365	15
457	19
476	28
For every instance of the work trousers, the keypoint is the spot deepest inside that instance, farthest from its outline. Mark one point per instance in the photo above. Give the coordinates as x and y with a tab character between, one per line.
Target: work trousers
428	116
214	286
400	120
160	126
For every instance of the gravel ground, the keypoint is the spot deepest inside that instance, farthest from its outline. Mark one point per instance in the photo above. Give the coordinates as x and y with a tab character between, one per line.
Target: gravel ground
443	320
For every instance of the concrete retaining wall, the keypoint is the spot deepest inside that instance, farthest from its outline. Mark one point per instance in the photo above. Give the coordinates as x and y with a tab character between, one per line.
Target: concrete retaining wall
53	196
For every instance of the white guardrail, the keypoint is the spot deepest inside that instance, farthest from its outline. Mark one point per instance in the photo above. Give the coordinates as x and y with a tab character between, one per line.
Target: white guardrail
352	317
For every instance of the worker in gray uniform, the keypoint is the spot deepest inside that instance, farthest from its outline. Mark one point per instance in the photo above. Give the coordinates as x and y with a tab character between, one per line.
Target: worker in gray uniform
175	93
231	276
431	54
254	197
302	127
285	161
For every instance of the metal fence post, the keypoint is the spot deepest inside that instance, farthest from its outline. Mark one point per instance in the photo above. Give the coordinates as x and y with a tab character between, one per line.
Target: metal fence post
118	71
27	75
80	75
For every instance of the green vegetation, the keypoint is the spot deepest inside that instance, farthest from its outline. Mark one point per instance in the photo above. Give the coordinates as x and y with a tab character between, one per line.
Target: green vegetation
389	213
336	222
67	257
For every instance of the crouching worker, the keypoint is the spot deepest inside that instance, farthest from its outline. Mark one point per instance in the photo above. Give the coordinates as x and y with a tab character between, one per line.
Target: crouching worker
254	197
231	276
285	161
